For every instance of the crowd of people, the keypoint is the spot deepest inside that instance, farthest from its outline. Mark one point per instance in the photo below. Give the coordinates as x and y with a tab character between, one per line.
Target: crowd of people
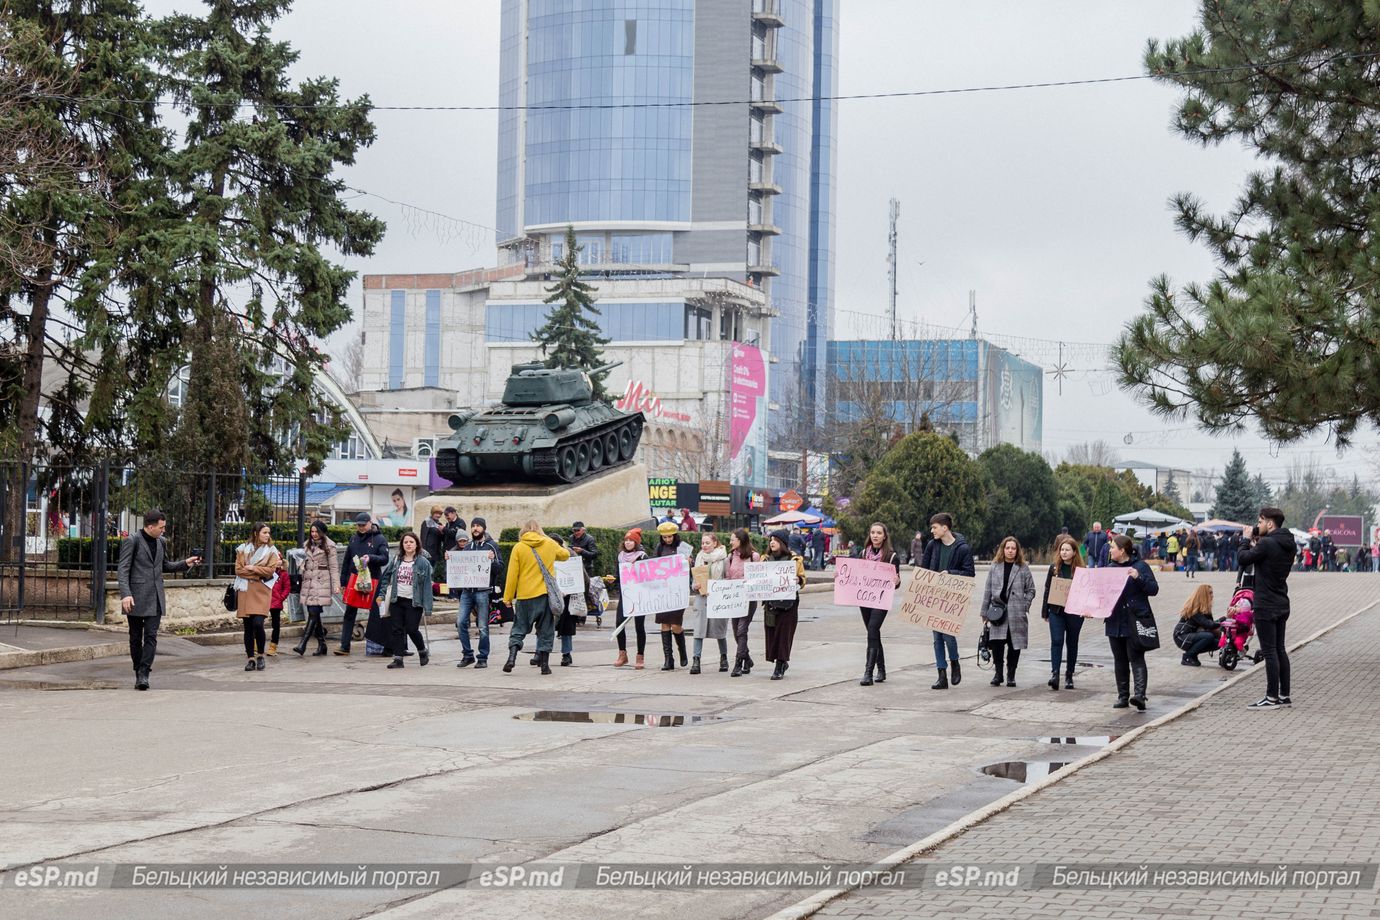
397	591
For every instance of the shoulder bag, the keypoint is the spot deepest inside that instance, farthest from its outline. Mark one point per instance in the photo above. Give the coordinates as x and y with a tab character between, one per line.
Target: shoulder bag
554	599
995	614
1145	634
232	598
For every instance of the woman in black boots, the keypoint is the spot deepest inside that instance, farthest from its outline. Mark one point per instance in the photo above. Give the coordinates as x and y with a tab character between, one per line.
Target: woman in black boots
780	617
740	552
1121	625
407	583
878	549
319	586
1009	585
1064	628
672	622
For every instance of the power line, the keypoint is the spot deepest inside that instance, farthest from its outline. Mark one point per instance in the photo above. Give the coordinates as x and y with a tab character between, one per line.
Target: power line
698	103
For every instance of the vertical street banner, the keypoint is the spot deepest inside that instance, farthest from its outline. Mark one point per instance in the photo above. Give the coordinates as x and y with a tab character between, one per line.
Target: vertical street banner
747	415
1095	591
864	583
937	601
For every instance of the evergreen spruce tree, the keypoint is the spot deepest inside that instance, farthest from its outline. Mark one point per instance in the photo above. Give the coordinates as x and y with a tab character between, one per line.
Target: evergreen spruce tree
1171	489
1236	494
1284	333
571	337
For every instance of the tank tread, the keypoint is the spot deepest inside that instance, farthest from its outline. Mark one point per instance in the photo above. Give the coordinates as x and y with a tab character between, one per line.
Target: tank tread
545	463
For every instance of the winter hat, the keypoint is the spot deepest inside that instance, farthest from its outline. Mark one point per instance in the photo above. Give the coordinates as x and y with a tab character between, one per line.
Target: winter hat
634	535
666	528
781	535
479	522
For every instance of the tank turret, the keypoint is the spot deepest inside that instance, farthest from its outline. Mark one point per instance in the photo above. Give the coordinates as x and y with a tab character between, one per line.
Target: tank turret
548	427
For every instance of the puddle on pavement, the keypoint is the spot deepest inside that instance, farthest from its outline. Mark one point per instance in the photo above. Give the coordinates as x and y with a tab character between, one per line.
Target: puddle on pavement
650	720
1023	771
59	684
1080	740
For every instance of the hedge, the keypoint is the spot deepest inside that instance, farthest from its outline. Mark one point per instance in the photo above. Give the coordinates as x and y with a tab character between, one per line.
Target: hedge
609	541
75	552
340	534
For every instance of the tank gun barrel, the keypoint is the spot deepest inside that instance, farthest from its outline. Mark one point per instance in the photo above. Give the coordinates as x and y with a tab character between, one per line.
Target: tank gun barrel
606	367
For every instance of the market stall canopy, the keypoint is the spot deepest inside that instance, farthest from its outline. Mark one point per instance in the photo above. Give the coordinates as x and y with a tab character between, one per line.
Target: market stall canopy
1217	525
824	519
794	517
1149	518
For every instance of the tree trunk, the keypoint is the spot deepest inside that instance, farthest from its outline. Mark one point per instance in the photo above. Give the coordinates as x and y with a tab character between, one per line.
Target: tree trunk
33	366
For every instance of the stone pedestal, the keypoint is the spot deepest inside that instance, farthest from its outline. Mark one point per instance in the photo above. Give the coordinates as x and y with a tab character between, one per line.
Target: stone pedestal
613	498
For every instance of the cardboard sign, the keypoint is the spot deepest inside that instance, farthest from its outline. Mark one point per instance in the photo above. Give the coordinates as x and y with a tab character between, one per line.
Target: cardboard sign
1059	590
727	599
570	576
701	575
1095	591
864	583
655	585
465	569
771	581
938	601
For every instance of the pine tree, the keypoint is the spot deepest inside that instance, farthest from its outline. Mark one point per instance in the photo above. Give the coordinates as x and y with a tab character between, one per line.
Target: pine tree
1236	494
1171	489
1263	492
1284	332
571	337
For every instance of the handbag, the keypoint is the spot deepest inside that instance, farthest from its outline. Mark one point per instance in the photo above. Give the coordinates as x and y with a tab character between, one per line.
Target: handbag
554	598
232	598
353	597
1145	634
995	614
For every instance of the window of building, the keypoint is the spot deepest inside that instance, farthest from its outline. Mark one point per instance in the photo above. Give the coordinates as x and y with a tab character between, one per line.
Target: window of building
432	343
629	36
699	323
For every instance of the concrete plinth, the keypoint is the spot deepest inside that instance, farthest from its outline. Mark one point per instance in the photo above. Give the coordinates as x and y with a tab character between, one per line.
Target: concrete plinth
613	498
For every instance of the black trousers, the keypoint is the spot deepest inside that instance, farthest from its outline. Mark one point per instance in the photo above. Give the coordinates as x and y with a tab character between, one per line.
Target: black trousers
1270	632
641	628
1124	655
872	621
407	624
276	618
253	636
1000	648
741	627
143	641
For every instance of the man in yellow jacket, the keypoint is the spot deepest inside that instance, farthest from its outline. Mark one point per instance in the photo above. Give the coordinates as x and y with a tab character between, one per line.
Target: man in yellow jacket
525	590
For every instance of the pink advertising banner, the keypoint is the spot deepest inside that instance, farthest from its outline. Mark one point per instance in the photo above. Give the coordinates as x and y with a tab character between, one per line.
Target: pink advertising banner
1095	591
747	425
863	583
1347	529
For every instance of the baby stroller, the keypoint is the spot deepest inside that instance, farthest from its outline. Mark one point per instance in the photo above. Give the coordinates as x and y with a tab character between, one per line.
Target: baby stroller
1238	629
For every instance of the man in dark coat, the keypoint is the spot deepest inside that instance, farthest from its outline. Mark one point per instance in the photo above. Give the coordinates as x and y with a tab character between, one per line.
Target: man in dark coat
582	544
917	549
369	543
143	562
1272	555
947	552
1096	544
817	548
479	600
433	539
451	529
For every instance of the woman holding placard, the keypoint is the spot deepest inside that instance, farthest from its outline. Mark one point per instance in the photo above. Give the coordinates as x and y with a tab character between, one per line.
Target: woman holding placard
877	549
630	551
672	621
781	617
714	557
740	552
1006	608
1133	603
1063	627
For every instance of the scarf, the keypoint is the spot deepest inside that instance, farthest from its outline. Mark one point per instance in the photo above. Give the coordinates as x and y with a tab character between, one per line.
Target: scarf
634	556
257	556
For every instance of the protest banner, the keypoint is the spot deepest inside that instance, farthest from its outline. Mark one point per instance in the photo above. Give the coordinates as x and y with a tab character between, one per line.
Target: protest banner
864	583
771	581
466	569
937	601
570	576
727	599
700	574
654	585
1059	591
1095	591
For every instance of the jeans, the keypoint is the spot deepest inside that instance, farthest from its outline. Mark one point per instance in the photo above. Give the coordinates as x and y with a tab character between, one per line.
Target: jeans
253	636
476	599
1270	631
1064	629
532	614
567	644
1191	565
143	641
1197	643
944	642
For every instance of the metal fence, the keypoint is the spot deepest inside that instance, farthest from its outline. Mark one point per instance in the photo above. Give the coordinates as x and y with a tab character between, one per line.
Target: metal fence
61	528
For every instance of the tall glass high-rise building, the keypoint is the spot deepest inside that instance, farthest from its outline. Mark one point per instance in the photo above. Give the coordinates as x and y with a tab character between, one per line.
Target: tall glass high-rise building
679	138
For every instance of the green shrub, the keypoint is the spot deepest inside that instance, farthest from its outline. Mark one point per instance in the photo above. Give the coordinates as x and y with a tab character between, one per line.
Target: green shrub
609	540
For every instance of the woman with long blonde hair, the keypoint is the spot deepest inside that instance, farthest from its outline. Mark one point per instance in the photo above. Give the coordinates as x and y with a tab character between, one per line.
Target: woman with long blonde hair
1064	628
1197	630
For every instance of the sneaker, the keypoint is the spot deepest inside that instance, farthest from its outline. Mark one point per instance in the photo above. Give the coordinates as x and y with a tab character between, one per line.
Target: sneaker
1285	701
1191	661
465	662
1266	702
481	663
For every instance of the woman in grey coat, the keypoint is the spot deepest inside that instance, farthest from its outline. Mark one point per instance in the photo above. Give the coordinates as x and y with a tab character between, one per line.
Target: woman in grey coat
1009	584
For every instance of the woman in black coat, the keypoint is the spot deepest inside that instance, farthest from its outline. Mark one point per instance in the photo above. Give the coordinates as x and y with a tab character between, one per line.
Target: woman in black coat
1121	625
877	549
1197	630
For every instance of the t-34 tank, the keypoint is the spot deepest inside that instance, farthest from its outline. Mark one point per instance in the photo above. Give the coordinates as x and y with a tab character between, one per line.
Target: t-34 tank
548	427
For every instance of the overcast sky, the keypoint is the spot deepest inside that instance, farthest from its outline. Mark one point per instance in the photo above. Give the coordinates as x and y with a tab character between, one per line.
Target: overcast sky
1050	203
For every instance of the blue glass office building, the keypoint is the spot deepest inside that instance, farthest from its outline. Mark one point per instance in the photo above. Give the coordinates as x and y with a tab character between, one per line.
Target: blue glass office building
607	126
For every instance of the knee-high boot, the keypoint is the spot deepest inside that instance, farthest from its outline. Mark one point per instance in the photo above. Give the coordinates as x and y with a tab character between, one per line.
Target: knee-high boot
881	662
680	647
670	664
868	668
1139	676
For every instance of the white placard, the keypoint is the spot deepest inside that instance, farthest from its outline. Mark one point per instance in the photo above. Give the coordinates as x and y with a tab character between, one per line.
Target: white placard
466	569
771	581
654	585
727	599
570	576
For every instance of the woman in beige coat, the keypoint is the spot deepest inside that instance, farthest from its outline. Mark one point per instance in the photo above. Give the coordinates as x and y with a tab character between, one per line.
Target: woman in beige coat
319	585
256	568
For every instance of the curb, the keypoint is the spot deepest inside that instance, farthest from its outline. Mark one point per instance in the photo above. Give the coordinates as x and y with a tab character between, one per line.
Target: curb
29	659
807	907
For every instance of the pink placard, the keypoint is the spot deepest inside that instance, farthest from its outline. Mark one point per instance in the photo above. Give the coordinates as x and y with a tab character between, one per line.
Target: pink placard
863	583
1096	591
